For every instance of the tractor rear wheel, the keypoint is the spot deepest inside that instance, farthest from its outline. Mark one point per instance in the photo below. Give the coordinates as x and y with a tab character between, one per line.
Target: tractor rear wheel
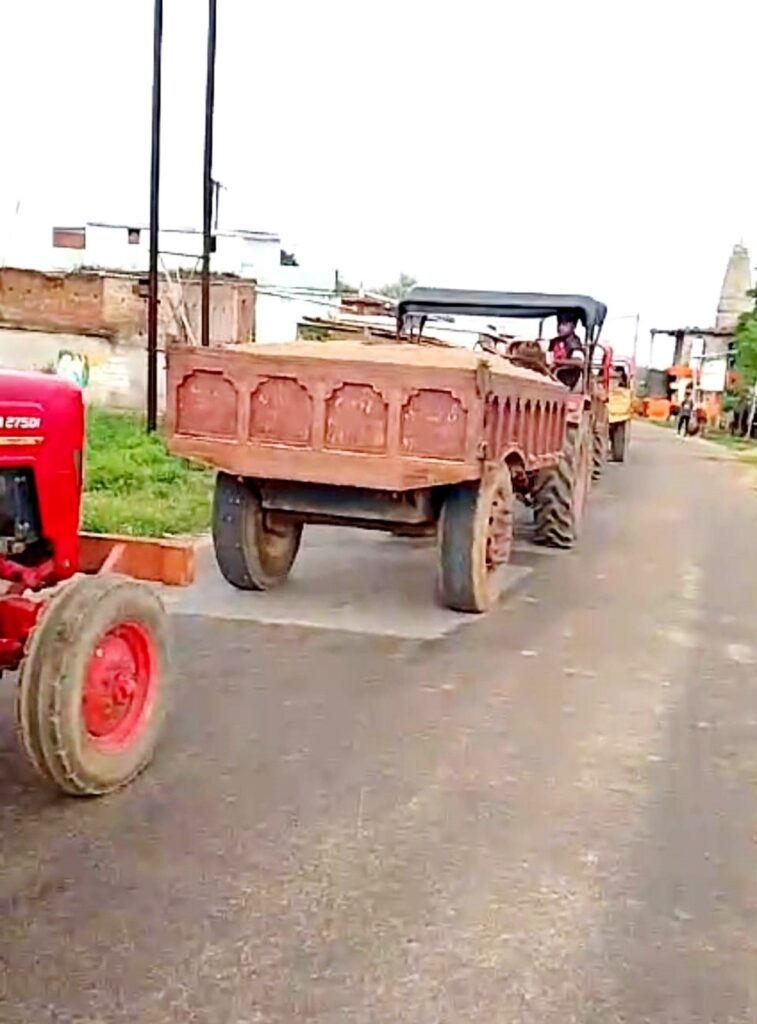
93	687
476	533
619	434
255	549
560	492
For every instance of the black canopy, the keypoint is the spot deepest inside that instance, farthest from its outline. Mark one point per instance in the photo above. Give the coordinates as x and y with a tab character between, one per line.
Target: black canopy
525	305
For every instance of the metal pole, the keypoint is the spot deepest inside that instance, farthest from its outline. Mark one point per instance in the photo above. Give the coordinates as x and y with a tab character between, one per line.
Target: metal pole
152	303
636	337
207	190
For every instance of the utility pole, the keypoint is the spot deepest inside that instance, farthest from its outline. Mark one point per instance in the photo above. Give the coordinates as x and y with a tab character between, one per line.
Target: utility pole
207	185
152	302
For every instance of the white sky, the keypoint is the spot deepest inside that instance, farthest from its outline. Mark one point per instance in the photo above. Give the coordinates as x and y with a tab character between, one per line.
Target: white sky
552	145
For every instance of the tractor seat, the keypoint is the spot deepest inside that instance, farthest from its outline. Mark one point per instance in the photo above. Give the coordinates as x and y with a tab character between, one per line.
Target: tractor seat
568	374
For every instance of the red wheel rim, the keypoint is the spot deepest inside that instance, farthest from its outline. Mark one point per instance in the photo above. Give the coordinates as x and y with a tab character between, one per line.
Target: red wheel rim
119	690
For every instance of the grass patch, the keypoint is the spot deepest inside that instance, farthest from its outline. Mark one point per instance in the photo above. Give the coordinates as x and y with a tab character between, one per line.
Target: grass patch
133	486
739	445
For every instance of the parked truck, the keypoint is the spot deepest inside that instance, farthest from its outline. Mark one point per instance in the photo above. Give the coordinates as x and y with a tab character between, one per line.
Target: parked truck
407	437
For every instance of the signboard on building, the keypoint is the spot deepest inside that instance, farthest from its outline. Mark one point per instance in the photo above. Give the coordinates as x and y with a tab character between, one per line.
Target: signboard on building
712	375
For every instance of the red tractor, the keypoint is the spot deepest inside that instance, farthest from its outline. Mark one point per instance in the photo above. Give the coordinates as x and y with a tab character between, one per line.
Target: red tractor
91	651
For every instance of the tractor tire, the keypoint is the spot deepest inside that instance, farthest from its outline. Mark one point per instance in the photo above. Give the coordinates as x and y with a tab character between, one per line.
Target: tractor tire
600	444
254	550
27	717
475	536
619	437
560	491
94	685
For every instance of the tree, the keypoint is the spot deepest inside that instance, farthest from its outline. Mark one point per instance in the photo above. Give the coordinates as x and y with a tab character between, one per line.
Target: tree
745	341
399	288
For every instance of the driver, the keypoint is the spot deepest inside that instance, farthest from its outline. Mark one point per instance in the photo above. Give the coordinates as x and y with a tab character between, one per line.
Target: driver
567	344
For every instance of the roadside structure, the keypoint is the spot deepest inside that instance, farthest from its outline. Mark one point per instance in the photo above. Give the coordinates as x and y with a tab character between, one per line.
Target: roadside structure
701	355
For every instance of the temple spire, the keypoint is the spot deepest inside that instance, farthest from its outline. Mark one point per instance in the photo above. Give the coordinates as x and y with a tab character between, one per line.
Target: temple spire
737	282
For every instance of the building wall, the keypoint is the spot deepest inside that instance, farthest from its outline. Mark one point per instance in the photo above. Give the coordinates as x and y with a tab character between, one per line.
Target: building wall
61	301
253	255
104	318
117	372
115	306
279	312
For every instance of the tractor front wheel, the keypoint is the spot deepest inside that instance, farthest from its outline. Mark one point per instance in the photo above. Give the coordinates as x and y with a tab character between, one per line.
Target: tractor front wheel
93	687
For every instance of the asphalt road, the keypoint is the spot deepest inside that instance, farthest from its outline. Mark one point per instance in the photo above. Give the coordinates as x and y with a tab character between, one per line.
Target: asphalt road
546	816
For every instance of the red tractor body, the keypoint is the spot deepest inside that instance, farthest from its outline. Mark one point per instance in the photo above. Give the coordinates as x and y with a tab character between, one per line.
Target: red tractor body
41	459
91	651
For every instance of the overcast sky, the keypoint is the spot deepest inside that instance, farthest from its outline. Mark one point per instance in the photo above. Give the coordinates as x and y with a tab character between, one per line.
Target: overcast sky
570	146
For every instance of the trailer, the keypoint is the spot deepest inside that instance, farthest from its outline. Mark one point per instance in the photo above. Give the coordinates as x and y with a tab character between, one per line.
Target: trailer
406	437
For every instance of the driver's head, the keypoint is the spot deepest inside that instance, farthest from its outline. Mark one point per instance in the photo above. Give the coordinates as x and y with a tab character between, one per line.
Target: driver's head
566	325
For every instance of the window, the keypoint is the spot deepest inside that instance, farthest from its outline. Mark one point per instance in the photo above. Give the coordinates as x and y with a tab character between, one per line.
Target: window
69	238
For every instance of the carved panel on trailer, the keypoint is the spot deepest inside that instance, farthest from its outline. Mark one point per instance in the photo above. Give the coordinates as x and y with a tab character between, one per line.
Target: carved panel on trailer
356	419
560	426
554	427
491	425
515	433
206	405
505	426
536	435
281	412
434	423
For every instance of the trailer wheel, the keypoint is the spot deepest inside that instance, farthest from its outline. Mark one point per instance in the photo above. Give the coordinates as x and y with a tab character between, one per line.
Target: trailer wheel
560	491
255	550
600	445
476	532
619	436
93	687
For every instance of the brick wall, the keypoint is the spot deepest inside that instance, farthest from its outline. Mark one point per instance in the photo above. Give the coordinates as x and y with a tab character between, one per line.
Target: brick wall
114	306
70	302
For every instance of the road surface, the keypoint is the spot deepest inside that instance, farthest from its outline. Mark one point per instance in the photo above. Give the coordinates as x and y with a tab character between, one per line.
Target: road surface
549	815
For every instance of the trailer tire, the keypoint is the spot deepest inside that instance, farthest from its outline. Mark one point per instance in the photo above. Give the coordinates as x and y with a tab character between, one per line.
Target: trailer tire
560	492
94	685
619	436
253	550
475	536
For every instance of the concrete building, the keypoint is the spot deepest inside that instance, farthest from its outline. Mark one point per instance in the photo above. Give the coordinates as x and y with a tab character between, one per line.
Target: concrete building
101	318
285	292
705	350
79	289
249	254
734	300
